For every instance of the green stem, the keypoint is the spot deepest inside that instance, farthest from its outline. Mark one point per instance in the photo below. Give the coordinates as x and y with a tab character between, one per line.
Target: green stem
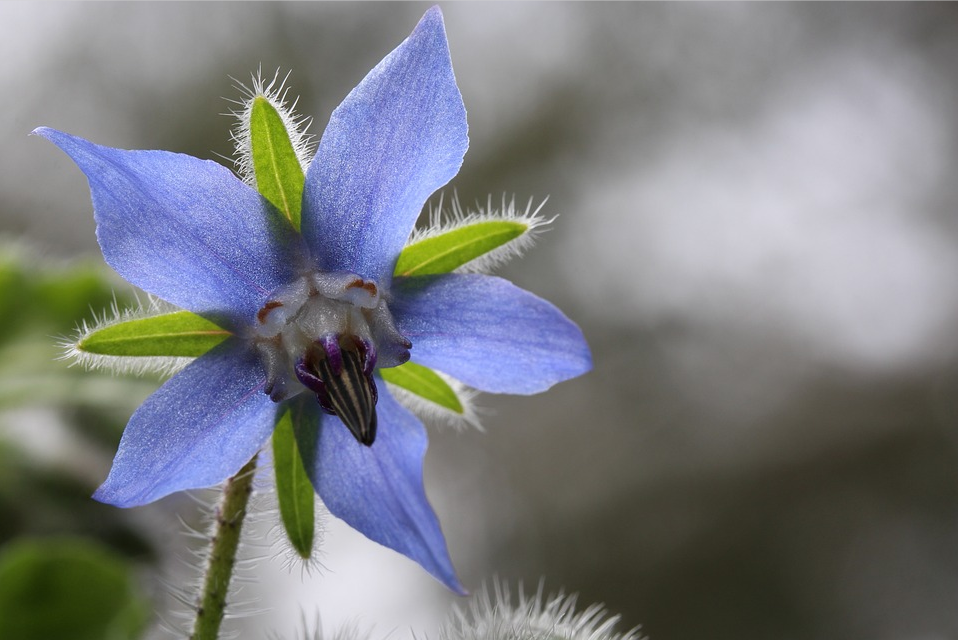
229	523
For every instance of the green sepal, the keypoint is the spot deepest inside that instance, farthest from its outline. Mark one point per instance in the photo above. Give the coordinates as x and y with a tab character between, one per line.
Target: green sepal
425	383
279	176
293	488
180	333
450	250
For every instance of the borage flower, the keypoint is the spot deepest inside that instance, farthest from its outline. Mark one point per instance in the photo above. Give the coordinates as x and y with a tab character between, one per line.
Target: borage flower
313	307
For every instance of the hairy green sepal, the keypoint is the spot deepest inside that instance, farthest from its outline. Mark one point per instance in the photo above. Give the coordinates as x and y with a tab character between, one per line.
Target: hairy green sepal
293	488
425	383
279	176
452	249
180	333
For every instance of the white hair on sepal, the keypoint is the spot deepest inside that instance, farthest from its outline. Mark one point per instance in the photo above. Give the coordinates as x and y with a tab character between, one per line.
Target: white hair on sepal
277	94
444	220
493	614
163	366
432	413
281	548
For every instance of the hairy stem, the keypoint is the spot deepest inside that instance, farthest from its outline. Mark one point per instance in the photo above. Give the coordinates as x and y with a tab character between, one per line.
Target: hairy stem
219	569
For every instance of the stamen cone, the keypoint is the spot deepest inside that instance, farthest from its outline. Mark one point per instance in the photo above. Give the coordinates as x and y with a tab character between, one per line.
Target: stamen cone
351	395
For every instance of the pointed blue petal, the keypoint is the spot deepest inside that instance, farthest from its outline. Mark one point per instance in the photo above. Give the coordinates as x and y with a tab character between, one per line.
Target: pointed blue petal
396	138
184	229
195	431
378	490
488	333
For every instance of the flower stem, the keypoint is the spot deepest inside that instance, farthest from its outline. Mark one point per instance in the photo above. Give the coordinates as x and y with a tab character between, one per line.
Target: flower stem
229	522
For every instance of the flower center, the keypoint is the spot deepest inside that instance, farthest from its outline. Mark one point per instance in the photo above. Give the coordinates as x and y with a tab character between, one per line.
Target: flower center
326	333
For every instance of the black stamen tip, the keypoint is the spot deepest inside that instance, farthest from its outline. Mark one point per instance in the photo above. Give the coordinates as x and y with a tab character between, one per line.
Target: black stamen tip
351	394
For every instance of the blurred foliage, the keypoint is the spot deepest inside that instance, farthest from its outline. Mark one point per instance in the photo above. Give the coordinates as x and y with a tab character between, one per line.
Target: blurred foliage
57	422
67	588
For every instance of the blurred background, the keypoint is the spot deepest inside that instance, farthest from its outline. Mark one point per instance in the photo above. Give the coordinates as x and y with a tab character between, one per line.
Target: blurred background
757	233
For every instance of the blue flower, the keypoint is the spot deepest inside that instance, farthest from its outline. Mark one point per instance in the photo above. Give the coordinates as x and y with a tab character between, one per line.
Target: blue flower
315	314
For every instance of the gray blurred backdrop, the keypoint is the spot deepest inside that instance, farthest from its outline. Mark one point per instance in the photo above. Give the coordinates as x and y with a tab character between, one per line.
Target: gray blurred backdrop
757	233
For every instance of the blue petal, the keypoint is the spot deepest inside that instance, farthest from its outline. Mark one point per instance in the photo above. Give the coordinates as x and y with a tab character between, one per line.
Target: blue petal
195	431
378	490
184	229
396	138
488	333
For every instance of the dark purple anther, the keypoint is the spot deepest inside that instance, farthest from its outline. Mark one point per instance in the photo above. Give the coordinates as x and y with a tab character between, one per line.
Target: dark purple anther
330	344
368	351
349	393
305	374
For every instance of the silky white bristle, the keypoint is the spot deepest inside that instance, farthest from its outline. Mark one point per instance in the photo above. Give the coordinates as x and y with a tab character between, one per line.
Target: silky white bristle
493	615
163	366
444	220
276	92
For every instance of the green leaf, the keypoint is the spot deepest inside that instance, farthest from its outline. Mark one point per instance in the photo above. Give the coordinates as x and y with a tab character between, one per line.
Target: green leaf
425	383
67	588
293	488
180	333
450	250
279	176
